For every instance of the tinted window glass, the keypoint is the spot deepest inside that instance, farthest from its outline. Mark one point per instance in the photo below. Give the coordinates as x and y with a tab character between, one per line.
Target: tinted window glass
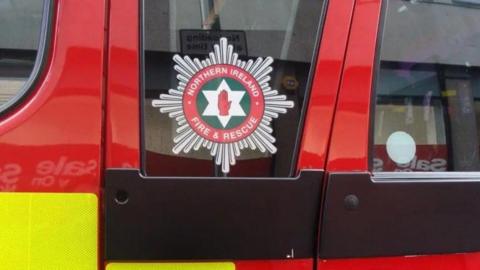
427	114
282	29
20	27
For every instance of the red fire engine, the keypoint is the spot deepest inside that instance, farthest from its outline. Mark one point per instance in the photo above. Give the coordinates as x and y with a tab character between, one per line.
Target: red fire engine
221	134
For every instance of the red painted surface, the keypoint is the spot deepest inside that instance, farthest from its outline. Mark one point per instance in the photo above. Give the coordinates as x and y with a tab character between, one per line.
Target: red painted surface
349	146
468	261
123	95
297	264
316	133
52	141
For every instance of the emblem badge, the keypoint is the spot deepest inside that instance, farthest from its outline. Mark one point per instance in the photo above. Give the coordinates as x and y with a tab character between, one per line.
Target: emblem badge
223	104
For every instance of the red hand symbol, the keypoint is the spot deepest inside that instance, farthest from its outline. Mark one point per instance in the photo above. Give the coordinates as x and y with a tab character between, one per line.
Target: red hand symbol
223	103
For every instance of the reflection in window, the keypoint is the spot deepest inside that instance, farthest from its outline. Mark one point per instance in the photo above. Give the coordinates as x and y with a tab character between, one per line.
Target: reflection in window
283	29
428	85
20	26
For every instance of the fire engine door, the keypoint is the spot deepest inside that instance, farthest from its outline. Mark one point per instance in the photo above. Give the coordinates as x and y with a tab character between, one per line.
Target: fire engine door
405	185
218	120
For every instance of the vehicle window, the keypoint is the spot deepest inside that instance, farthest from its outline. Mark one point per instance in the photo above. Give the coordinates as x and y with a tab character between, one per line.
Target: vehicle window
230	110
427	91
20	30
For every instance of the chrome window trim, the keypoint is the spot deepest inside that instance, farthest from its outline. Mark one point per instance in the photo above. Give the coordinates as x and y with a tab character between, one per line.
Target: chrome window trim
428	177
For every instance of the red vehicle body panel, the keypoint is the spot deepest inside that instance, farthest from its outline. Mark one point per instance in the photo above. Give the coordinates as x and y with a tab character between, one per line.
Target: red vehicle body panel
468	261
123	95
352	116
349	147
52	141
323	95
